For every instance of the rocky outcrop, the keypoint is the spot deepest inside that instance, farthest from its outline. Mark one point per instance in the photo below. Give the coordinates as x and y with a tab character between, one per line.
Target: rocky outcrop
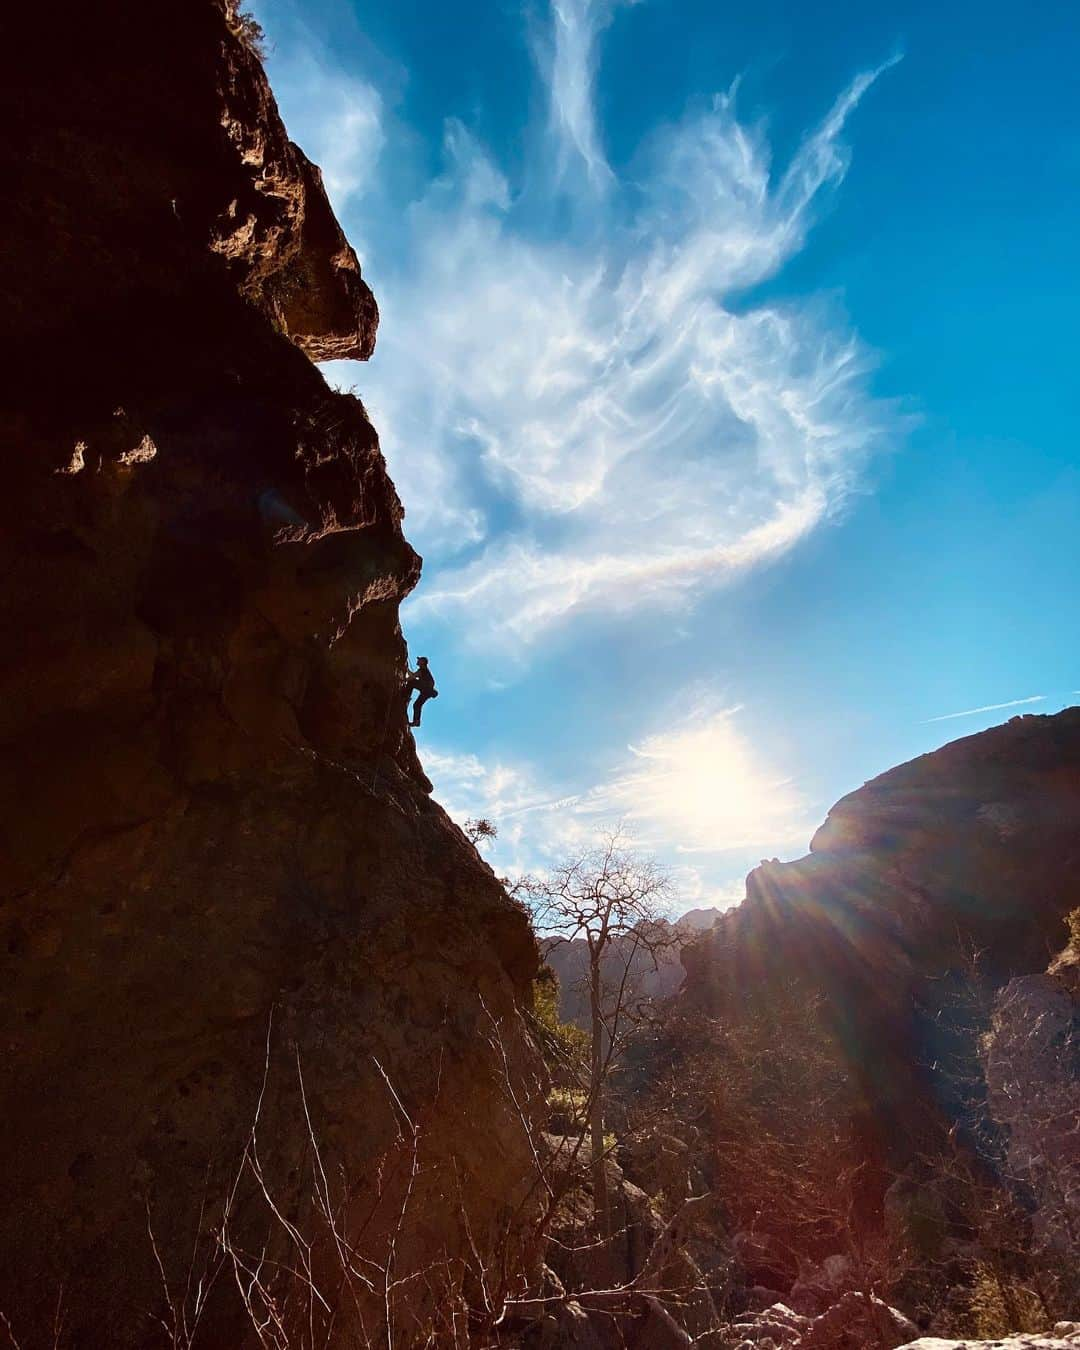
1064	1336
227	895
827	1040
1032	1063
970	849
856	1321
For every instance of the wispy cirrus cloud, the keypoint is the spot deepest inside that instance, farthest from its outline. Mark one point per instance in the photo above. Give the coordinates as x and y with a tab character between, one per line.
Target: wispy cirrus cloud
589	418
640	440
567	55
988	707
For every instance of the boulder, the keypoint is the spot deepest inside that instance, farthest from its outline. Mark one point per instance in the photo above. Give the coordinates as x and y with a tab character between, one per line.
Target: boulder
856	1321
1056	1341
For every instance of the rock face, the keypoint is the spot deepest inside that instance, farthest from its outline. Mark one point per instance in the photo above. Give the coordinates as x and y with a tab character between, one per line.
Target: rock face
222	870
973	847
1032	1063
1064	1336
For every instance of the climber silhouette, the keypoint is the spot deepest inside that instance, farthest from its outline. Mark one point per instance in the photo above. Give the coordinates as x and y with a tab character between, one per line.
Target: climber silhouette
422	680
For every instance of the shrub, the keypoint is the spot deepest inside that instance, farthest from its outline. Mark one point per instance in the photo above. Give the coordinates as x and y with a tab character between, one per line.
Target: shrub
564	1045
247	28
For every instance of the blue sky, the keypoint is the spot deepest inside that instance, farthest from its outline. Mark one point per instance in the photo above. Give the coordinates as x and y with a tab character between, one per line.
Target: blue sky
726	374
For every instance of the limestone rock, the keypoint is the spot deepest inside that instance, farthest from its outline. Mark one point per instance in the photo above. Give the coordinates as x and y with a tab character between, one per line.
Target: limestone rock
779	1324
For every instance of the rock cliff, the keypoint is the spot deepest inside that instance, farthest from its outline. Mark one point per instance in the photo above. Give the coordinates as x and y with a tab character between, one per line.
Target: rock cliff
1032	1063
971	850
226	893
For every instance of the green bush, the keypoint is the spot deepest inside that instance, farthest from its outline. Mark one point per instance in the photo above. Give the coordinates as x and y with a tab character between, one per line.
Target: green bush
563	1043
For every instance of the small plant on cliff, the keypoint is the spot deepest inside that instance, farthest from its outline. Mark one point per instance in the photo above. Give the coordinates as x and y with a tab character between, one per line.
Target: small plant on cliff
247	28
480	830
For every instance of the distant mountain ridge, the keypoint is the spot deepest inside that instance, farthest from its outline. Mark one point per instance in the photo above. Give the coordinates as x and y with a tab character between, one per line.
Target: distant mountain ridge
651	979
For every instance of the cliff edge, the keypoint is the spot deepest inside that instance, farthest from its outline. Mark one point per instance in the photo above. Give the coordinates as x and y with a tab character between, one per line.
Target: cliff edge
255	982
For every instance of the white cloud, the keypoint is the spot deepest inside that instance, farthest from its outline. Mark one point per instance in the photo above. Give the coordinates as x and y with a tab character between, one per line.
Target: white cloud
569	60
580	418
698	795
644	440
525	589
335	117
535	824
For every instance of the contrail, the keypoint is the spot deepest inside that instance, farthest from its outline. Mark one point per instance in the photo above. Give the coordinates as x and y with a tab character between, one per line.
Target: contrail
987	707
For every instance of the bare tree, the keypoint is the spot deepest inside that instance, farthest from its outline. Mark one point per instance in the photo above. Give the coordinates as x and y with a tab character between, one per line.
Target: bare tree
614	899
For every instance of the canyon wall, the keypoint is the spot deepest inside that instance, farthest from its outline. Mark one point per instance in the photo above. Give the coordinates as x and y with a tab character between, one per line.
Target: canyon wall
1031	1057
243	949
924	892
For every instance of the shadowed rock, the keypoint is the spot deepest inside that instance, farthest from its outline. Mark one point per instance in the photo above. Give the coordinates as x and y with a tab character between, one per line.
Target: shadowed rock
972	848
221	866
